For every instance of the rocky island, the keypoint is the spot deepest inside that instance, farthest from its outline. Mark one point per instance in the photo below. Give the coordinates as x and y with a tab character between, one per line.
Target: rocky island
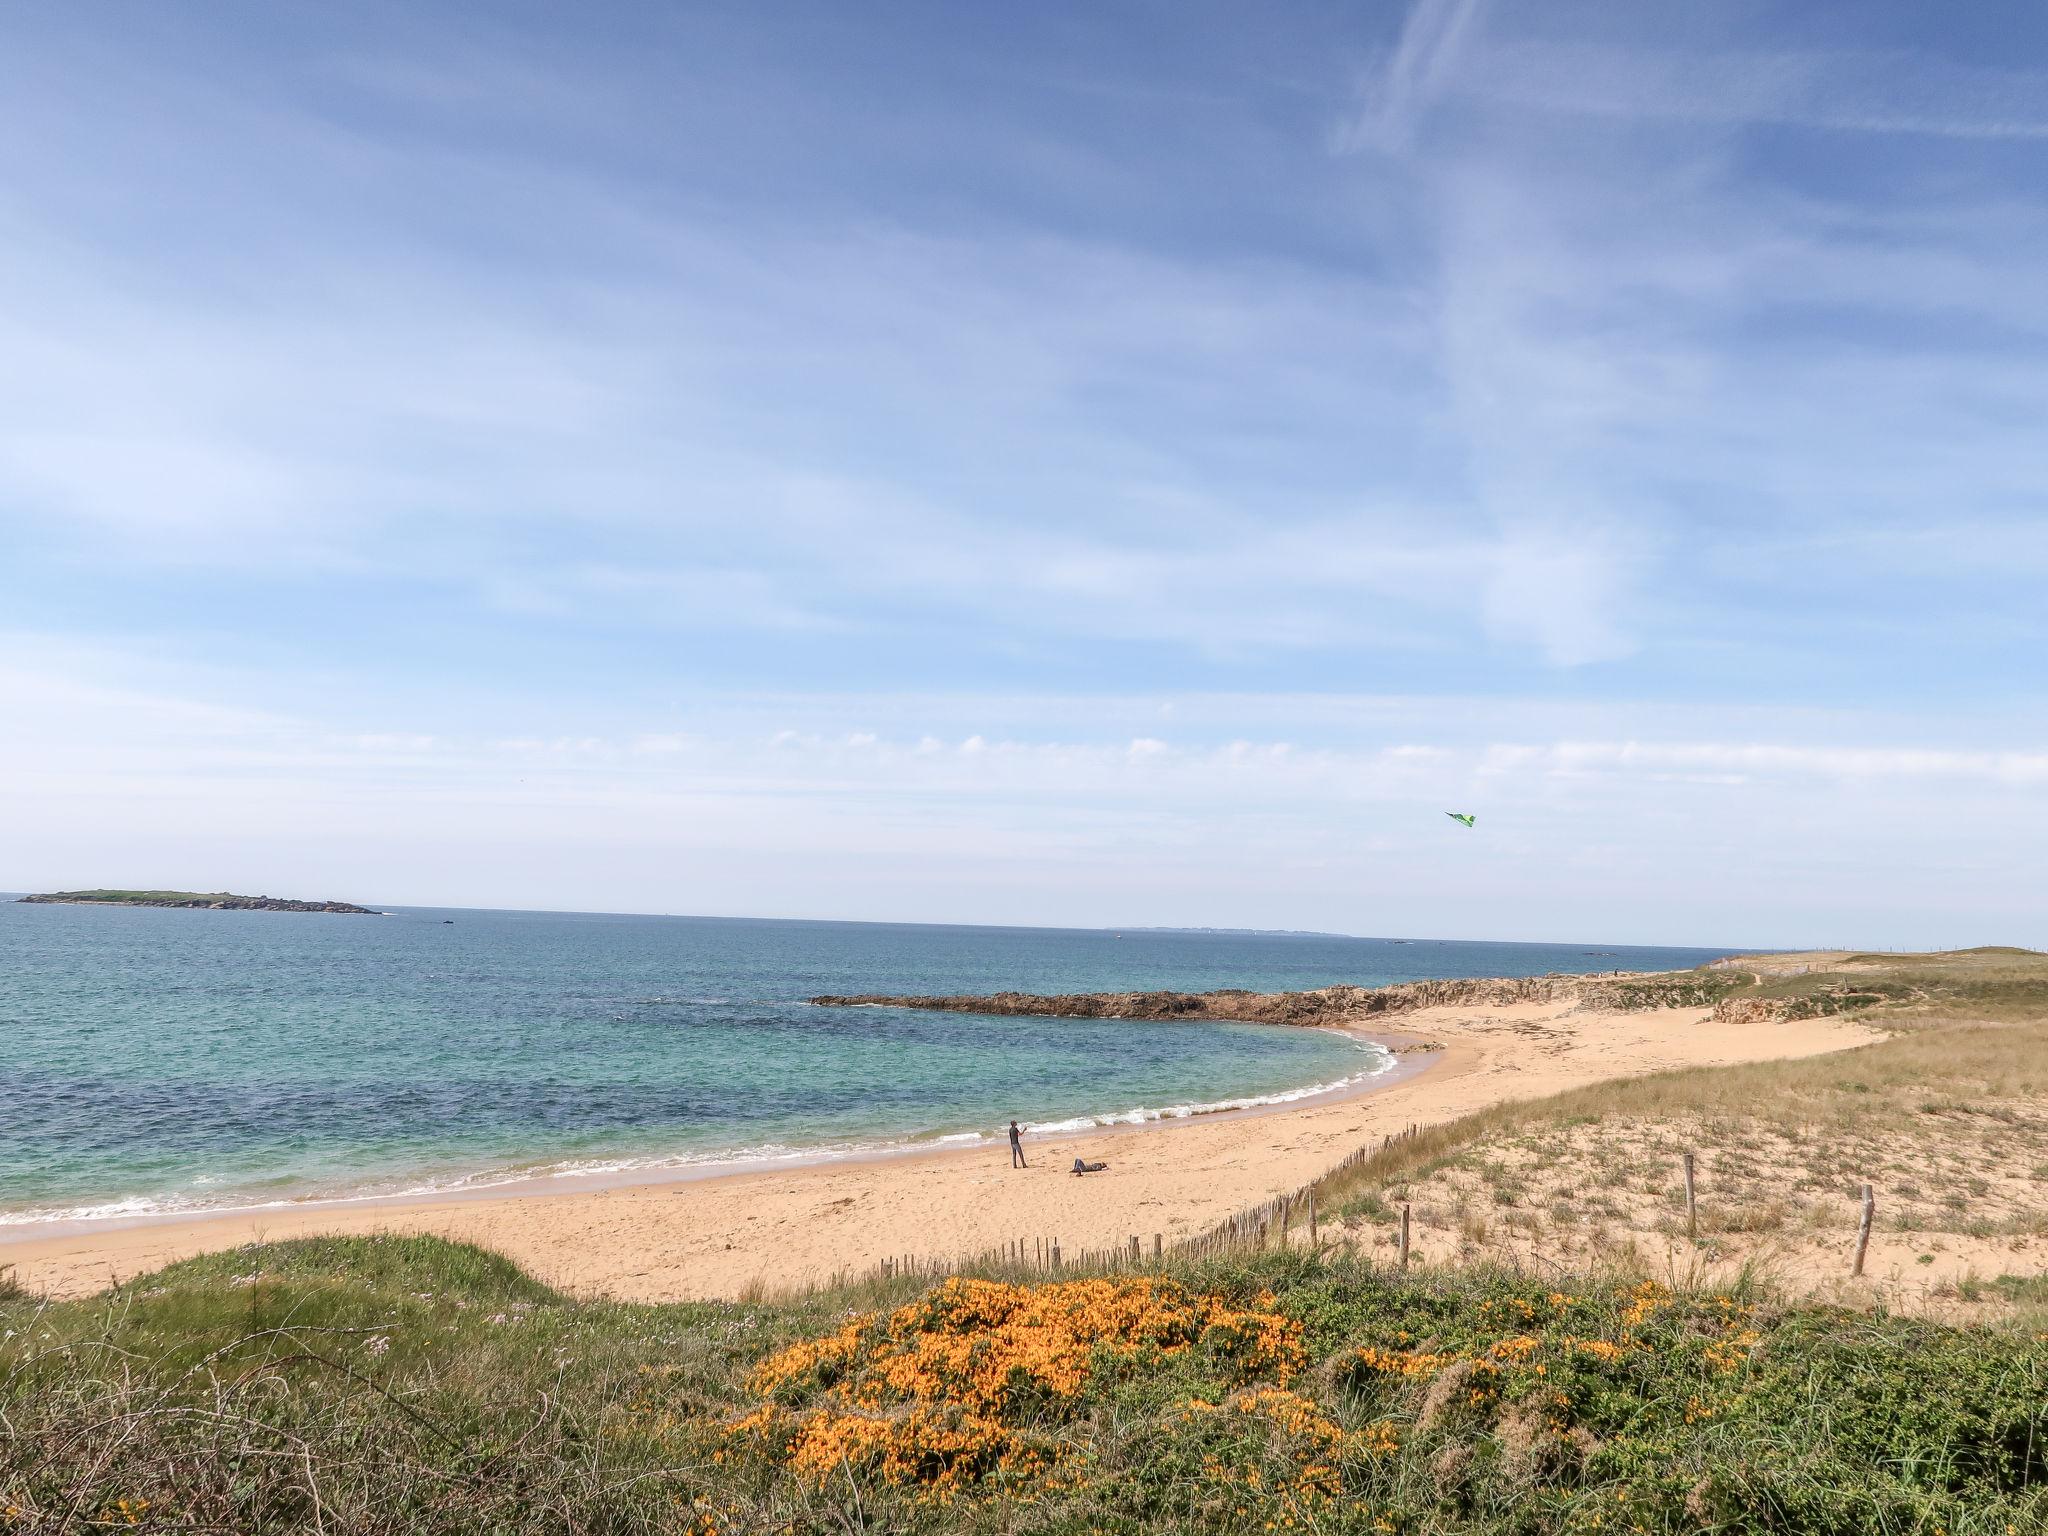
216	901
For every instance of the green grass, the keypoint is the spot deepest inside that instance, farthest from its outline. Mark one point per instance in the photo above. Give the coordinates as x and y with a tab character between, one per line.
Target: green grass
410	1385
2029	1289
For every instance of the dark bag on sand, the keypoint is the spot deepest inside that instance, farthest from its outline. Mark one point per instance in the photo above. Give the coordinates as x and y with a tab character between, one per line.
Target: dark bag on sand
1081	1167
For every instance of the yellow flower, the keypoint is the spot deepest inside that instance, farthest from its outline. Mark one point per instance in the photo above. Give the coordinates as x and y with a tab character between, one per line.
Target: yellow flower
1400	1363
966	1354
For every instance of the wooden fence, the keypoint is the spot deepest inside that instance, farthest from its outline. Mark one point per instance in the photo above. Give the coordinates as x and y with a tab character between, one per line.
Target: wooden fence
1270	1224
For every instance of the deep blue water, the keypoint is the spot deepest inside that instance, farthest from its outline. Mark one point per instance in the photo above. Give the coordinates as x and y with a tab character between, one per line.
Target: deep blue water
157	1059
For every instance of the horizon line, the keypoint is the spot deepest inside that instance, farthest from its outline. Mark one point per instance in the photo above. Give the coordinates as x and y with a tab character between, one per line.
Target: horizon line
11	897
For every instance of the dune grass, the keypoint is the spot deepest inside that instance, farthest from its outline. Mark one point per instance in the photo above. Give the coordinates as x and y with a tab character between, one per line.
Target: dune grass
1992	984
1946	1116
406	1384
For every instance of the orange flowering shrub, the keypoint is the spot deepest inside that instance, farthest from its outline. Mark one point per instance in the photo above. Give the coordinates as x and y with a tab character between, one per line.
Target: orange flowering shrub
1397	1362
1302	1463
1645	1302
1294	1415
943	1392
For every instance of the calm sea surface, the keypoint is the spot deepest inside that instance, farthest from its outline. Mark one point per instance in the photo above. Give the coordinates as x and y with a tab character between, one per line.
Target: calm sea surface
160	1060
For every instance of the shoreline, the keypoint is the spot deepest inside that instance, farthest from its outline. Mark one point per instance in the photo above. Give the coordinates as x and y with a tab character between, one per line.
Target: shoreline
729	1233
1405	1057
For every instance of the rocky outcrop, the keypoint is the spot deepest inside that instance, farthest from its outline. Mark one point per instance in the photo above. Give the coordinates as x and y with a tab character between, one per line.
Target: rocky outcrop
1823	1003
1325	1006
216	901
1750	1010
1619	992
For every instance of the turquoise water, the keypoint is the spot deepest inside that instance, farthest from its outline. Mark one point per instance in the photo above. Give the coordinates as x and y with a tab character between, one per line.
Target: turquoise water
161	1060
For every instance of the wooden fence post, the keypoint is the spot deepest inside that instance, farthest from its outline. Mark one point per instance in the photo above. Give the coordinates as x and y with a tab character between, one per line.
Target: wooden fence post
1404	1234
1692	1208
1314	1241
1055	1253
1863	1228
1158	1246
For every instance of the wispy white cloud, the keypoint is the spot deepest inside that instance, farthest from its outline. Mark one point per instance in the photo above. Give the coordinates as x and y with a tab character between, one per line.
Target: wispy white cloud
1338	816
1399	88
1851	91
1660	368
1493	438
1464	52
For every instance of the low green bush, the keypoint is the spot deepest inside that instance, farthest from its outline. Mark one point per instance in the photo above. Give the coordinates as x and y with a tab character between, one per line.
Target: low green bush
413	1385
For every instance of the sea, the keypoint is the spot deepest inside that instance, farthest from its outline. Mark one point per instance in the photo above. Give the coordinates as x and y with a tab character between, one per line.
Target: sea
161	1060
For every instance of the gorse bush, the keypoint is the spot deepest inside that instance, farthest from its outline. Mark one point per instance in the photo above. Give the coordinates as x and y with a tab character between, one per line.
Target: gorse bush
968	1383
401	1385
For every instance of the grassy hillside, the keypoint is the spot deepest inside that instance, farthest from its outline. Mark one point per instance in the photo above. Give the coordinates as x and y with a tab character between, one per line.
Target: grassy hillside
388	1385
1946	1116
1992	984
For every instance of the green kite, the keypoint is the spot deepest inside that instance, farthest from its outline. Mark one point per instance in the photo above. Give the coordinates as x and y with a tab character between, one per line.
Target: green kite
1461	816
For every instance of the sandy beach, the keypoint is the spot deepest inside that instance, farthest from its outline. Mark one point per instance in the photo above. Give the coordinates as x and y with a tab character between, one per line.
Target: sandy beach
712	1237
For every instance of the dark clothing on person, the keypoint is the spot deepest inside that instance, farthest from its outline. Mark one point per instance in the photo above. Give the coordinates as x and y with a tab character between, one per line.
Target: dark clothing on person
1081	1167
1017	1147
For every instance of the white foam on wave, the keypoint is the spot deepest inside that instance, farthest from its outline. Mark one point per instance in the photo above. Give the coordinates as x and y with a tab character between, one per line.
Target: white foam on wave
135	1205
1149	1116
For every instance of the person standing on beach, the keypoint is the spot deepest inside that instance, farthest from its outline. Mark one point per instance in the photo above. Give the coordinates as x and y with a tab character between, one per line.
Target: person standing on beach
1017	1147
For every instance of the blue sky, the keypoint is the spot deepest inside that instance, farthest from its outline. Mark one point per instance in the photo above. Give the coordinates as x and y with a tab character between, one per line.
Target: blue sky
1109	463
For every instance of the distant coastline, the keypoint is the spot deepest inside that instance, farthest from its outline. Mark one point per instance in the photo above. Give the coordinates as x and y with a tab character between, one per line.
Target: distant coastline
214	901
1245	933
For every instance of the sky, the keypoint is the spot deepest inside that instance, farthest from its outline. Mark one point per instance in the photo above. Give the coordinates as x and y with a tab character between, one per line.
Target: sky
1103	463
